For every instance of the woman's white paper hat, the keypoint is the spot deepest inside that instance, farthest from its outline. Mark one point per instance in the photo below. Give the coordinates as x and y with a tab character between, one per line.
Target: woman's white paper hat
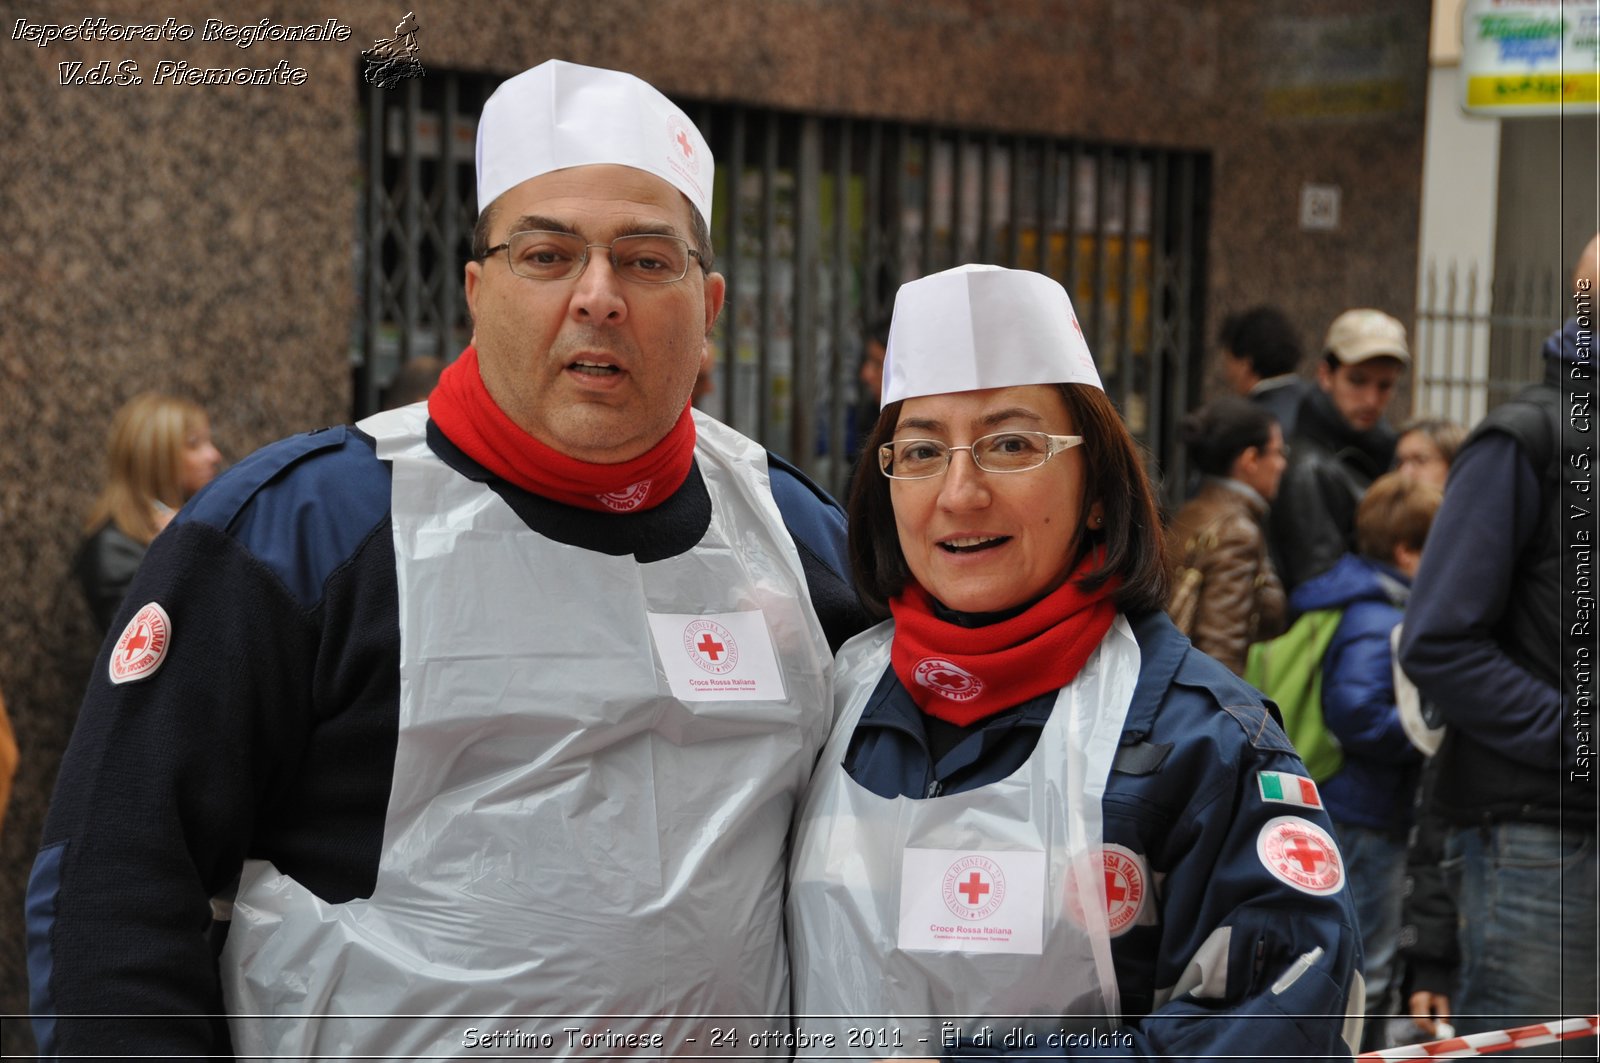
560	115
976	327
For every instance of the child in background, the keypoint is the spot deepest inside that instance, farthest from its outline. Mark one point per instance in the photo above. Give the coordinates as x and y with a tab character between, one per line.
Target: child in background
1370	797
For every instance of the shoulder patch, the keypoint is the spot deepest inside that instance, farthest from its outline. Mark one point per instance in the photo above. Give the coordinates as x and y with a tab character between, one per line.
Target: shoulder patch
1287	789
1301	854
142	646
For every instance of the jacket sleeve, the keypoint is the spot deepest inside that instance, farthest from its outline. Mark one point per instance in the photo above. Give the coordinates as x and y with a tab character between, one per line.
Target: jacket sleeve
1311	521
1251	965
1358	703
817	526
1447	647
155	802
1222	624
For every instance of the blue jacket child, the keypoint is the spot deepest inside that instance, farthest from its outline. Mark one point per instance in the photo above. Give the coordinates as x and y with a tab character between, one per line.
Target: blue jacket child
1375	787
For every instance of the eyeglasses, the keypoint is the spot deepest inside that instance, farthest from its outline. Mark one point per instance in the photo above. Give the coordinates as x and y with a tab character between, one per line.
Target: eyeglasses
648	258
918	459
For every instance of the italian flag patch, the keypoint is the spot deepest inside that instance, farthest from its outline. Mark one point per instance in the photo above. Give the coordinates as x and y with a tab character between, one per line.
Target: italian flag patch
1288	789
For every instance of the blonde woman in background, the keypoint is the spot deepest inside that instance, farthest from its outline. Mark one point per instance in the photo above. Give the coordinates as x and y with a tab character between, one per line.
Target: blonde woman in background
159	454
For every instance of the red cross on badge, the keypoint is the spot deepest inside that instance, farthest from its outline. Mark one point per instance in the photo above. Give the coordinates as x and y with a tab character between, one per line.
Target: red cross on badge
973	888
1302	854
686	144
142	646
711	646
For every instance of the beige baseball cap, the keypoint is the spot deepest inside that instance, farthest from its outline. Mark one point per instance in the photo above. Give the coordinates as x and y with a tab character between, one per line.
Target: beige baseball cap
1358	335
558	115
977	327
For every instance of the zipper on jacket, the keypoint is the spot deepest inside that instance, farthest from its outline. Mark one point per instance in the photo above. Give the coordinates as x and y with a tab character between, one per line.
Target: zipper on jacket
933	789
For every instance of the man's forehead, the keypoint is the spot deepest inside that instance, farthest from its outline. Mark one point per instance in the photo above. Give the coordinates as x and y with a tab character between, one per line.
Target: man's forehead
588	192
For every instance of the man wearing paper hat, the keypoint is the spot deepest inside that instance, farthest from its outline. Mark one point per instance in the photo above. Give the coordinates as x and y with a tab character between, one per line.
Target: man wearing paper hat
1340	444
1113	808
494	705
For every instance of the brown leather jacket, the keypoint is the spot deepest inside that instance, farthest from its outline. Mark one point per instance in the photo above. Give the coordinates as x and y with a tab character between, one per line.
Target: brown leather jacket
1220	532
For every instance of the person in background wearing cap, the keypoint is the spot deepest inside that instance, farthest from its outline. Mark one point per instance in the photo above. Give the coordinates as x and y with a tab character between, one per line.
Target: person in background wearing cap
1042	813
1490	638
1340	444
492	707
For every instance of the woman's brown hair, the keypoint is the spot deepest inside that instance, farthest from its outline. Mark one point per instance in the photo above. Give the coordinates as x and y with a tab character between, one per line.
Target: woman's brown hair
1114	475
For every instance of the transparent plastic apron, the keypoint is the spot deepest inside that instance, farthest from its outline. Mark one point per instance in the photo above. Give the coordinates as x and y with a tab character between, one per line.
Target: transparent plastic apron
878	963
564	836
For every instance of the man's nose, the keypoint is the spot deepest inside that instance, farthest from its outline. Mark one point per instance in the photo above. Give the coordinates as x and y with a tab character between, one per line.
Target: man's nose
598	294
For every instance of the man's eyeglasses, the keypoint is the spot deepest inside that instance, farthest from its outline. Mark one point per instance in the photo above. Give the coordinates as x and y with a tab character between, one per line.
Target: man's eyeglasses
918	459
648	258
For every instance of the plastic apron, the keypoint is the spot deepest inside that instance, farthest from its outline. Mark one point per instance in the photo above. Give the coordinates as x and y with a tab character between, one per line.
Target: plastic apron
888	942
565	837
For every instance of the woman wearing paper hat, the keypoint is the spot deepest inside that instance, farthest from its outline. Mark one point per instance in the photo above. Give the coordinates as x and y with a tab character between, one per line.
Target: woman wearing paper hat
1044	824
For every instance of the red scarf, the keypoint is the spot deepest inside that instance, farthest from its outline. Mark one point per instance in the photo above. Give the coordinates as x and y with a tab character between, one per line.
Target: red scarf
963	675
469	416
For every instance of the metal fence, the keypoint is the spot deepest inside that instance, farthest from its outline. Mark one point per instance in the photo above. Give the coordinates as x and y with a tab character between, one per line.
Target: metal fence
816	222
1478	339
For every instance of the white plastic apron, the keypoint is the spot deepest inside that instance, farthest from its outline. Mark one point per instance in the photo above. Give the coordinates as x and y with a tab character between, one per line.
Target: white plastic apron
892	984
564	836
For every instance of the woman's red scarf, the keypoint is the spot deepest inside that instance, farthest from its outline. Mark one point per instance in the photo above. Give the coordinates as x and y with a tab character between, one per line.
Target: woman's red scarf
465	412
962	675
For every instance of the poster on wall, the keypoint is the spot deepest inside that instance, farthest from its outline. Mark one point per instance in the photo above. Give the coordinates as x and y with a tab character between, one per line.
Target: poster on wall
1530	57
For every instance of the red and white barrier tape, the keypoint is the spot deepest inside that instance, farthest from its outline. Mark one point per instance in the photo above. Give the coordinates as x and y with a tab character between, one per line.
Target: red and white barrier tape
1480	1044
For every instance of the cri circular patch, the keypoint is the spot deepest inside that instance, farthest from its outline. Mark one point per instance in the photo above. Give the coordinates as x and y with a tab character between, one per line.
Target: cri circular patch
710	646
1302	854
628	499
973	888
946	679
142	646
1126	886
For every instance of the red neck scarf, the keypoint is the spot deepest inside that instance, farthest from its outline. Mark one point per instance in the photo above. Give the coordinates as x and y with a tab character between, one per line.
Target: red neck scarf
463	409
963	675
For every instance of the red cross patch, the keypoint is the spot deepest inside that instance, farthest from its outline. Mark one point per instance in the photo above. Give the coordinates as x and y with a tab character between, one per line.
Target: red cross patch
711	646
1302	854
142	646
1125	887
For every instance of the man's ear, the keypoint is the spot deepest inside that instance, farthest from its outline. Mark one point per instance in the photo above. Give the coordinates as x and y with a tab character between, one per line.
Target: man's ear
1324	375
716	292
472	277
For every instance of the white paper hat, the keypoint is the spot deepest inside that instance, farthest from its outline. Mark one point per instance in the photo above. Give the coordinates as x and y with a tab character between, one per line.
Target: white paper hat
560	115
976	327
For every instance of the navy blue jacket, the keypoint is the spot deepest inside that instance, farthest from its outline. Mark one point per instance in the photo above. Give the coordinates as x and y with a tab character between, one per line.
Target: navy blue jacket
1377	785
1495	577
1214	972
270	730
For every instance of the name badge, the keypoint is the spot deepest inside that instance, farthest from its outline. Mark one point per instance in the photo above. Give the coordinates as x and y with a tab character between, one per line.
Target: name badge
956	901
717	656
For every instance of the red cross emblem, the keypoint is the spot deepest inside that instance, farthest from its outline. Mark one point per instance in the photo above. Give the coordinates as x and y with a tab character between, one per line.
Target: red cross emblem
711	646
686	144
947	679
142	646
974	887
1302	854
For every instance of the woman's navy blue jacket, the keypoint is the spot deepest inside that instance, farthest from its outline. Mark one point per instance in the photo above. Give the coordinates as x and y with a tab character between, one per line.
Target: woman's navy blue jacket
1227	958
